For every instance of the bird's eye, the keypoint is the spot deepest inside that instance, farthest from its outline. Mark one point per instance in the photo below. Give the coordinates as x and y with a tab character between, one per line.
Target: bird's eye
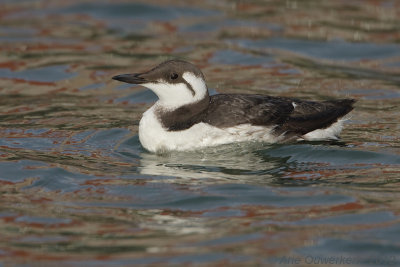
174	76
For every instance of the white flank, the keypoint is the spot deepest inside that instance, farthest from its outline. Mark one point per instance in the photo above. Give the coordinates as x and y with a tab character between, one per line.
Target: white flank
332	132
155	138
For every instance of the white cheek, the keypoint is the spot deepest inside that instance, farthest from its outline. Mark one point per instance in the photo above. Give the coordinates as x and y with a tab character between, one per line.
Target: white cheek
198	85
171	95
176	95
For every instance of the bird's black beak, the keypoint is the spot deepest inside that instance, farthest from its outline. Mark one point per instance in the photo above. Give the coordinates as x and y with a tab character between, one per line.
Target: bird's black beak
135	78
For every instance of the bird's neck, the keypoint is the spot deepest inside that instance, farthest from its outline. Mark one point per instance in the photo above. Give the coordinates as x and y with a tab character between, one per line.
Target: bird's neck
182	117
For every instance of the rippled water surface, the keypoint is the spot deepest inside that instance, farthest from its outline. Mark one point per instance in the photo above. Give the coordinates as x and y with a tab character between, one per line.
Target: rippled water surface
77	188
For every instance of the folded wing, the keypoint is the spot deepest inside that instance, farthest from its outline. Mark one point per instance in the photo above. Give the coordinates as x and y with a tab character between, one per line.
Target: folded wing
290	116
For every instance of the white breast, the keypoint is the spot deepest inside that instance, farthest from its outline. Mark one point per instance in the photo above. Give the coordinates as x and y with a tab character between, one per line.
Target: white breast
155	138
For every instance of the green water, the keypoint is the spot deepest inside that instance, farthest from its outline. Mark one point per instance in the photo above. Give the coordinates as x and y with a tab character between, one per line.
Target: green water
77	188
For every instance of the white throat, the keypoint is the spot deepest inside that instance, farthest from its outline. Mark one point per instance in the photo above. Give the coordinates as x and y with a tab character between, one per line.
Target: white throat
172	96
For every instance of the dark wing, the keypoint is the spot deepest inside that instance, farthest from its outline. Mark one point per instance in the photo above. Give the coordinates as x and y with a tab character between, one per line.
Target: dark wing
309	115
292	116
233	109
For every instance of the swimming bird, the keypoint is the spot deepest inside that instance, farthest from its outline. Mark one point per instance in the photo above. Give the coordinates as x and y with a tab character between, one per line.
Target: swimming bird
186	117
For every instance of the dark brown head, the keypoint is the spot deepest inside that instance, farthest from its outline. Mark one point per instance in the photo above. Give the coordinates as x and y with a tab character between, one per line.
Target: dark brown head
175	82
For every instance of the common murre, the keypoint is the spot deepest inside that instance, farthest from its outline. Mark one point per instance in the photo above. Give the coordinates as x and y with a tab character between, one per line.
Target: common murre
186	117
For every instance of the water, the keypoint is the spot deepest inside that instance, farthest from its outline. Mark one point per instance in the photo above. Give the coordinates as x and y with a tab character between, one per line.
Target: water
77	188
